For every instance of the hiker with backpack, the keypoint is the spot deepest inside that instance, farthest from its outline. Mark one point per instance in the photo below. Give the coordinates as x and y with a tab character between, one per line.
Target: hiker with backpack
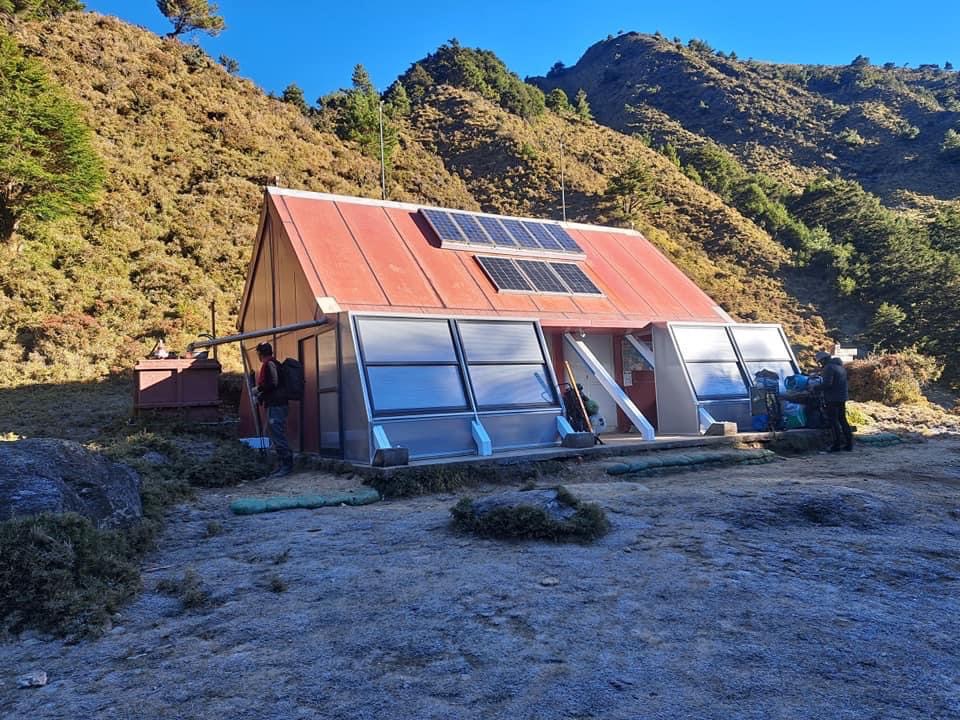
270	393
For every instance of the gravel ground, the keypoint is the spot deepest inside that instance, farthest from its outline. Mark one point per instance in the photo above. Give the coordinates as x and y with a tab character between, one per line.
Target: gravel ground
821	586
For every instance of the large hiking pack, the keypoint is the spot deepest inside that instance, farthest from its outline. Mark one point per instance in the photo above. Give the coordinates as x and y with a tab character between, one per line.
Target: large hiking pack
290	373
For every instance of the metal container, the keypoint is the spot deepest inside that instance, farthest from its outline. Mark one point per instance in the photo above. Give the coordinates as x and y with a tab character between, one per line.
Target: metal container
188	383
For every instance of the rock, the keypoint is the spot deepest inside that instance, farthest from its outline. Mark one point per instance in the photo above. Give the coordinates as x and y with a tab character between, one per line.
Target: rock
35	679
545	500
49	475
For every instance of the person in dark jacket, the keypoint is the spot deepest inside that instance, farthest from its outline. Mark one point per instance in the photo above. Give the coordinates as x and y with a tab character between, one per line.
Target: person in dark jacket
835	399
270	395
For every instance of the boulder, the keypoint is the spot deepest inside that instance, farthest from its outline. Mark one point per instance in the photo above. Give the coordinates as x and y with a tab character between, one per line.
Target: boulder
49	475
545	500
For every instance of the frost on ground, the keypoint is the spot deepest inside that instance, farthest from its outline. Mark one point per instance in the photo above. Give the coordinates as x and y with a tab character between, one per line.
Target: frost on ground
821	586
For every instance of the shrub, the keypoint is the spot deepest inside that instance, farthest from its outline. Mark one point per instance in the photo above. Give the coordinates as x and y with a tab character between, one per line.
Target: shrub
59	574
892	378
188	588
589	522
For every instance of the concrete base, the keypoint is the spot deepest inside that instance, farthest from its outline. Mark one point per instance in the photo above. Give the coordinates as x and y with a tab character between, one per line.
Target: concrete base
579	440
390	457
614	445
722	428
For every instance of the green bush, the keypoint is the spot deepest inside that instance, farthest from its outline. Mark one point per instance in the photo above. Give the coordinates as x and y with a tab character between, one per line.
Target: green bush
527	521
892	378
59	574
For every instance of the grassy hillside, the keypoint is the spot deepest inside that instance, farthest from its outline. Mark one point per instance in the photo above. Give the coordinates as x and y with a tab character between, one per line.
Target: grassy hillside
187	148
882	126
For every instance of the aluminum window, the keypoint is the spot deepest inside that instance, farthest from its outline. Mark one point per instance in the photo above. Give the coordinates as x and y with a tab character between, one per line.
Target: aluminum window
502	386
405	340
699	344
411	365
760	343
412	388
500	341
715	381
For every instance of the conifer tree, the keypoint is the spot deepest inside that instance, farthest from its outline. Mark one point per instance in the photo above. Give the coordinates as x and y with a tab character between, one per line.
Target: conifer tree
397	101
48	167
293	95
582	106
557	101
189	15
632	192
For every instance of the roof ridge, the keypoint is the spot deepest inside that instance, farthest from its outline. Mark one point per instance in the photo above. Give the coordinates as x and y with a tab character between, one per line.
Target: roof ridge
414	207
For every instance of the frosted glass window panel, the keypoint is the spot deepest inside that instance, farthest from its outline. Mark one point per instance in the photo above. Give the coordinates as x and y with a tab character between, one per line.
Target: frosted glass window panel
329	408
704	343
397	388
783	369
500	342
510	385
327	360
401	340
761	343
717	380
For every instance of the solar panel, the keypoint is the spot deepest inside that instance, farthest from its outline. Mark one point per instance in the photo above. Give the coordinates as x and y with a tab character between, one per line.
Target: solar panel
575	279
471	228
520	234
443	225
497	232
503	273
539	231
529	237
541	276
563	237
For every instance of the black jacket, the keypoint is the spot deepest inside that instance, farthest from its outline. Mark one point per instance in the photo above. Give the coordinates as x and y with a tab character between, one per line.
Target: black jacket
268	384
834	381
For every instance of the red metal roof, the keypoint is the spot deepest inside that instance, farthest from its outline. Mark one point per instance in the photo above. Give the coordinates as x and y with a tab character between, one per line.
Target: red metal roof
382	256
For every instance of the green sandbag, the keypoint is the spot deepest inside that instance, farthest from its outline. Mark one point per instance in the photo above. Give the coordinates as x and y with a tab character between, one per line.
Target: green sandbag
690	459
881	438
254	506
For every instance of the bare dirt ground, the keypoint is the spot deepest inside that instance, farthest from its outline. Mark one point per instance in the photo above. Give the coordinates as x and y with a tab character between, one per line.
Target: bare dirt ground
820	586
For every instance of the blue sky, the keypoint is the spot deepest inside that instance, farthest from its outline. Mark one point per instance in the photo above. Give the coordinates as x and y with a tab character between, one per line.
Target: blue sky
316	44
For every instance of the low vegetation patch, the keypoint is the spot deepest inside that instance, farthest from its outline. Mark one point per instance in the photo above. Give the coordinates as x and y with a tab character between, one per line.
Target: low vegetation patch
412	481
892	378
188	588
532	521
59	574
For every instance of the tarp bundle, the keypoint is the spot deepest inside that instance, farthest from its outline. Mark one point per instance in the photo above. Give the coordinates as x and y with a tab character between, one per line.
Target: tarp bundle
686	461
254	506
878	439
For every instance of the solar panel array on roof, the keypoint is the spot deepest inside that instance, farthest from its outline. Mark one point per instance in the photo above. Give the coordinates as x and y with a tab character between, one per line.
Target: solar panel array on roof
541	276
537	275
503	273
575	279
532	236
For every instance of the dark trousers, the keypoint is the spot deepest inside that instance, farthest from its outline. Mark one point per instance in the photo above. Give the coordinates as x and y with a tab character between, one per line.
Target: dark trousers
837	422
278	433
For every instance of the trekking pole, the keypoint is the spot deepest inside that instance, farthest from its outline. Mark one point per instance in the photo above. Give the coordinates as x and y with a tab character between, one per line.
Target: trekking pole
583	409
254	410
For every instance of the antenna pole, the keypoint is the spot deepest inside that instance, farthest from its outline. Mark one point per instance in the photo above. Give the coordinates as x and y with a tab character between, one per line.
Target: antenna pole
383	164
563	190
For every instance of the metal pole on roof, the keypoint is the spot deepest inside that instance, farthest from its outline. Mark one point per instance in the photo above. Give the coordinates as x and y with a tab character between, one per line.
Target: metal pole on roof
563	190
383	164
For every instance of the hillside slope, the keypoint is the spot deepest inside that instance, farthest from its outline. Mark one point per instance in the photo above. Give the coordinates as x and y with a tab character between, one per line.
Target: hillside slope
187	148
882	126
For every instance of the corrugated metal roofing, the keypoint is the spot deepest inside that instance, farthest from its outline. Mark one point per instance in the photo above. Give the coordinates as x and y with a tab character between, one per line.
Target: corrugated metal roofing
383	256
